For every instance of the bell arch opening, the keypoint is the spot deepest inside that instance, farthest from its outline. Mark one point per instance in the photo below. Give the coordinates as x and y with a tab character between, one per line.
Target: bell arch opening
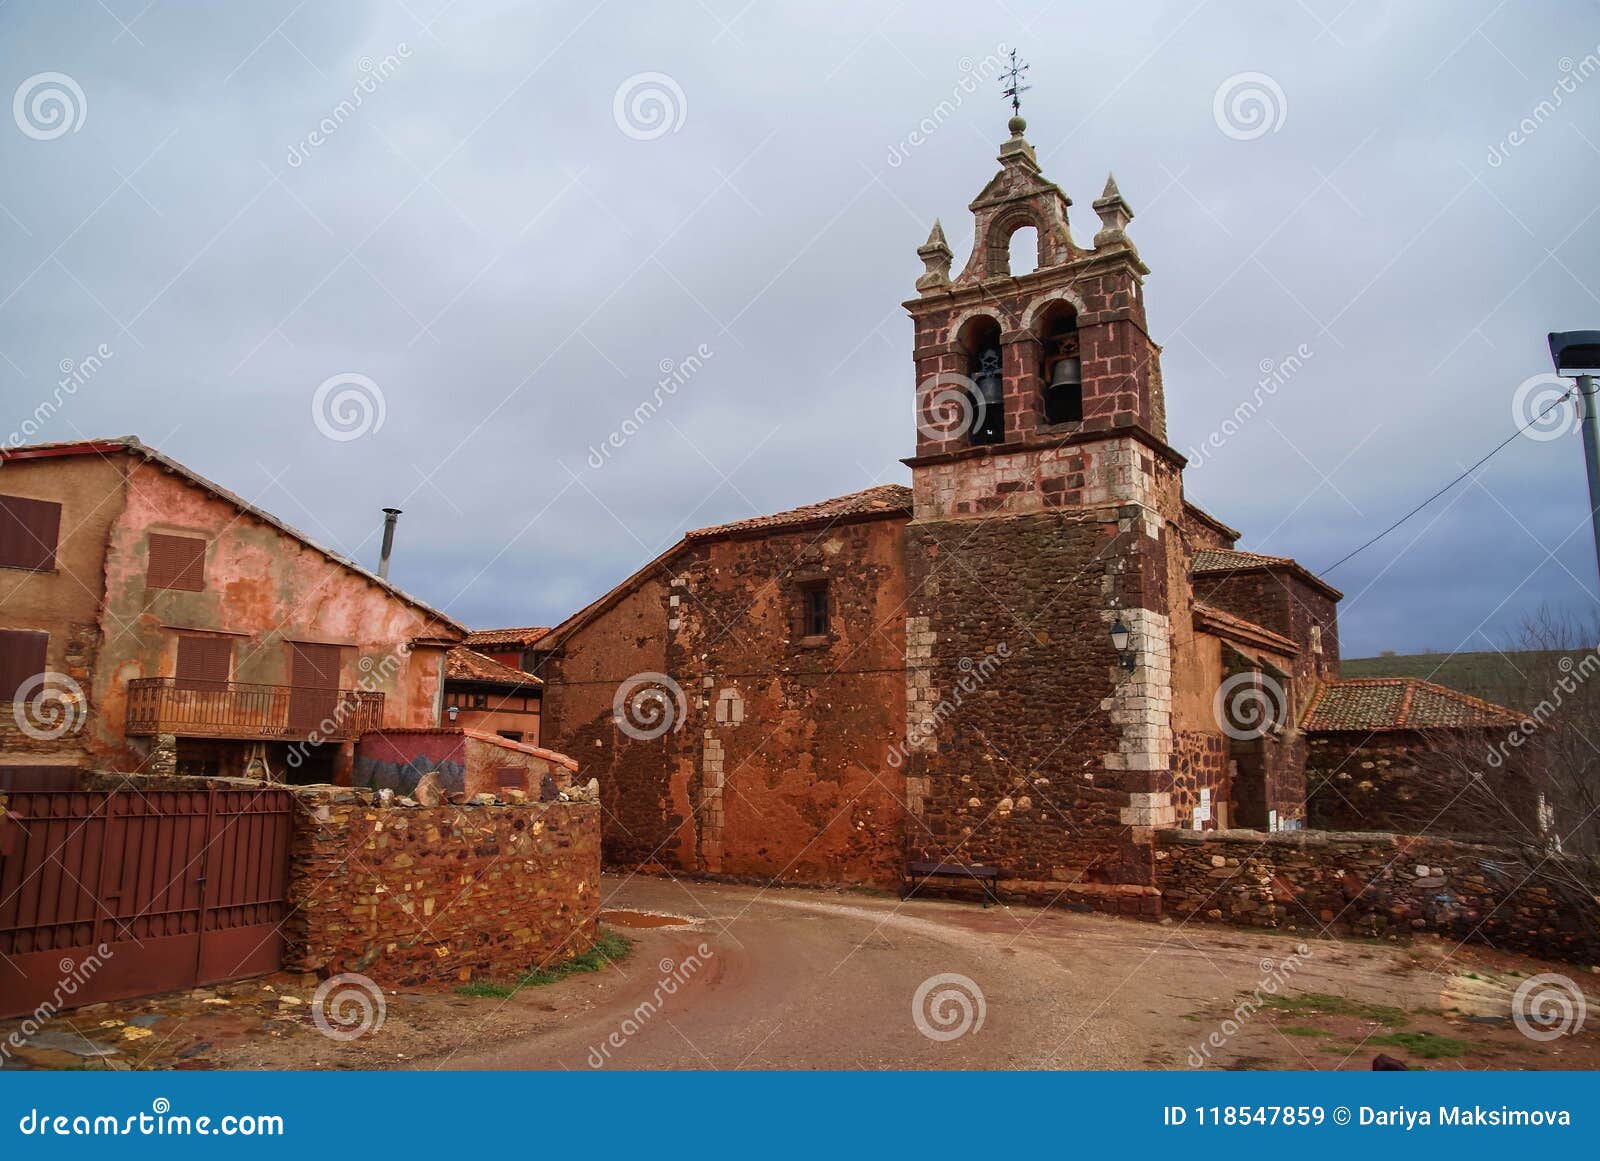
980	339
1060	364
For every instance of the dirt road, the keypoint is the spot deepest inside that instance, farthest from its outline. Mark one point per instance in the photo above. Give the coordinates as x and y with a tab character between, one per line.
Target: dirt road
732	977
806	979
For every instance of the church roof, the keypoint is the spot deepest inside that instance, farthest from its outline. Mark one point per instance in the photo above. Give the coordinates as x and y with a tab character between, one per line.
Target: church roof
1399	703
463	664
872	503
886	499
1222	561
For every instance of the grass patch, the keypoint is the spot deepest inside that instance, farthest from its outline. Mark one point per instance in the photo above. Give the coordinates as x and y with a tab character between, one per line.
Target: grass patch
1304	1030
607	950
1423	1044
486	991
1322	1004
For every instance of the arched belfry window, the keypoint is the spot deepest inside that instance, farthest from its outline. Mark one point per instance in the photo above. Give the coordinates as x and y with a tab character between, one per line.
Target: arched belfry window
1022	252
1060	368
980	338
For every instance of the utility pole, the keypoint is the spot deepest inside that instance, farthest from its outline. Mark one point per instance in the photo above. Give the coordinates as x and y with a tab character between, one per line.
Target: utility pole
1576	355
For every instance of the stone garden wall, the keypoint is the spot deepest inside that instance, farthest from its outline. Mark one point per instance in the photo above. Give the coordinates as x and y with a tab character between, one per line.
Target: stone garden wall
1379	884
414	895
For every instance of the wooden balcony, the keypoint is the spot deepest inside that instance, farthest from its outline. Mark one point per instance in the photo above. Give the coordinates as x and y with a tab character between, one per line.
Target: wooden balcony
241	710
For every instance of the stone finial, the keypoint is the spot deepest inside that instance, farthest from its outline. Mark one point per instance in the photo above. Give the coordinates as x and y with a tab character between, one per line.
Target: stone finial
1115	214
936	256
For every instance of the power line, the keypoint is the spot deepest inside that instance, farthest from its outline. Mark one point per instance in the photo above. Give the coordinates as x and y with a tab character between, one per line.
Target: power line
1495	451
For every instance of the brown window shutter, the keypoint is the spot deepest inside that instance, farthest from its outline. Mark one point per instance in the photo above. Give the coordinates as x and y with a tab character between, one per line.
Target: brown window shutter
203	662
177	562
511	778
29	530
22	656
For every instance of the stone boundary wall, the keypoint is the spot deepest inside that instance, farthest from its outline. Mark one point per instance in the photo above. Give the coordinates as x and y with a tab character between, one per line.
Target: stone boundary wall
445	894
1378	884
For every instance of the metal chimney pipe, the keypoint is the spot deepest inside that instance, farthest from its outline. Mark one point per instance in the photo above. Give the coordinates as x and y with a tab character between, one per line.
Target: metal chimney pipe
390	515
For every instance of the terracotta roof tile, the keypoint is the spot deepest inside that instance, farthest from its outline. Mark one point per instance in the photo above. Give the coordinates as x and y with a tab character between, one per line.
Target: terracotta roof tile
513	638
463	664
1399	703
886	498
1228	559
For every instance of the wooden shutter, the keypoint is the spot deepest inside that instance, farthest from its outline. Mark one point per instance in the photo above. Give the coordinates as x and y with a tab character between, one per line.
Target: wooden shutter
29	530
204	662
511	778
22	656
314	678
177	562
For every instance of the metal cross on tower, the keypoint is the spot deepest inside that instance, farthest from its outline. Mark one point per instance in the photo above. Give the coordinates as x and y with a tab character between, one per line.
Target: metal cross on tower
1012	78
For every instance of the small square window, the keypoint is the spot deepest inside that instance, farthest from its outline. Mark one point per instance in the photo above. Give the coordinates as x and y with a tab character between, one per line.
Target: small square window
28	533
814	609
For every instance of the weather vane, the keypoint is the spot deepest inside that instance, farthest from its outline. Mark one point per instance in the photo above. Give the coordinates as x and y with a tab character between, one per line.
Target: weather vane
1014	86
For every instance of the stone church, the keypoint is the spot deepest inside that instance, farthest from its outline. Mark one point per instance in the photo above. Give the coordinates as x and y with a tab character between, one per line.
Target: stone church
1038	657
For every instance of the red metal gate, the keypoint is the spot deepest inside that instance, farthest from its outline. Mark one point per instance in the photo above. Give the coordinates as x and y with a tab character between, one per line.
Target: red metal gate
105	895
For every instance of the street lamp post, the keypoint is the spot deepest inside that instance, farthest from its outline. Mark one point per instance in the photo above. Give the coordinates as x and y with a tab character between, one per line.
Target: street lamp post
1576	355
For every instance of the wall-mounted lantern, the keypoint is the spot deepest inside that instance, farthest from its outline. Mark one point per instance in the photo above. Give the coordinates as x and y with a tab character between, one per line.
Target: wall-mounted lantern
1122	642
453	713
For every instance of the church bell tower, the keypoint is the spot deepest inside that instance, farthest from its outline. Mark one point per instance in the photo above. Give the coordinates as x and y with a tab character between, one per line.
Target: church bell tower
1042	550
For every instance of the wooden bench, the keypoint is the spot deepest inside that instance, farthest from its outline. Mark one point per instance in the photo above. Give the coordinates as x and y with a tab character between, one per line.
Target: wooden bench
987	877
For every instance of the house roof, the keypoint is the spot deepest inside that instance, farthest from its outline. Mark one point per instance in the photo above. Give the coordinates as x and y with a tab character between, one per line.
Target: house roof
873	503
515	638
132	446
1225	561
884	500
463	664
1398	703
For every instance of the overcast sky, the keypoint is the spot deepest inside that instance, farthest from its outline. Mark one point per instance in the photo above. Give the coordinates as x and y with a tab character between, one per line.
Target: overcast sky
501	220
